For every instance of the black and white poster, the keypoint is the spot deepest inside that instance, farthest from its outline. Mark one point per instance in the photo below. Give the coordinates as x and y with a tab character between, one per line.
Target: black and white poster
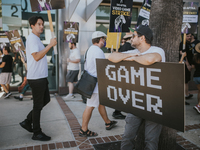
71	30
40	5
144	14
154	92
190	17
120	15
4	41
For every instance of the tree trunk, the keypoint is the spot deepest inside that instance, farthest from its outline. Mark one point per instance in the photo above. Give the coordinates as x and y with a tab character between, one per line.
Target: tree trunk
165	21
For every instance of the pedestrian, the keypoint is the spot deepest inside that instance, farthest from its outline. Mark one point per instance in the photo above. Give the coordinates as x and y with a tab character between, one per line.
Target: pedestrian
24	86
94	52
196	76
188	64
72	68
125	47
5	76
37	73
144	54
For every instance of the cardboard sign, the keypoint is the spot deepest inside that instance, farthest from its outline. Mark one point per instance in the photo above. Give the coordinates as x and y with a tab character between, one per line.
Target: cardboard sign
144	14
15	41
71	30
40	5
120	15
154	92
111	41
190	17
4	41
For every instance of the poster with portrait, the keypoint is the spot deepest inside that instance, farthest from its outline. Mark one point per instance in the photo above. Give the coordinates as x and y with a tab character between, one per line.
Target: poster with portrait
153	92
120	15
15	40
144	14
4	41
41	5
190	17
71	31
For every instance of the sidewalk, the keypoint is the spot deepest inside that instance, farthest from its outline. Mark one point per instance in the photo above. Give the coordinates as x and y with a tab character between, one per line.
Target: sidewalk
61	119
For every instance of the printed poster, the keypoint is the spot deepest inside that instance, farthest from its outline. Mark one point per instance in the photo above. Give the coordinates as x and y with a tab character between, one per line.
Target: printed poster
150	92
4	41
190	17
71	31
15	40
120	15
144	14
41	5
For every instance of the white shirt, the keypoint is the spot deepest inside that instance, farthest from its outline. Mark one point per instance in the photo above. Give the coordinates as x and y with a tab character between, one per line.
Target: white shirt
74	54
90	63
152	49
35	69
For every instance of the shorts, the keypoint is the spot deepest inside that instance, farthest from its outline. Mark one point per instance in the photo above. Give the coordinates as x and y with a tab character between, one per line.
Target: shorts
72	76
5	77
196	80
93	101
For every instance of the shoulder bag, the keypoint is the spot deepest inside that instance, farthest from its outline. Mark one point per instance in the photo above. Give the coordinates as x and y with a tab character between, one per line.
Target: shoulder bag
85	86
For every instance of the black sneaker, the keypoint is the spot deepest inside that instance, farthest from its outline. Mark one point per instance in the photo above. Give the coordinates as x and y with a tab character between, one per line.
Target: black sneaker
41	137
7	95
19	98
26	125
189	96
118	115
186	103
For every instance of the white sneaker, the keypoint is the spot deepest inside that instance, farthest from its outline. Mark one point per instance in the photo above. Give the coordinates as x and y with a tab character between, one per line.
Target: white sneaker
69	96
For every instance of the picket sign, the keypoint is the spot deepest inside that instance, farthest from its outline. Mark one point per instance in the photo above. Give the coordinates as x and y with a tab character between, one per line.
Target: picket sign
52	31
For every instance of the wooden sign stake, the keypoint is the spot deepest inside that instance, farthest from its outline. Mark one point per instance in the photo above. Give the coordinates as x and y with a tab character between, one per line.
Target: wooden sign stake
51	28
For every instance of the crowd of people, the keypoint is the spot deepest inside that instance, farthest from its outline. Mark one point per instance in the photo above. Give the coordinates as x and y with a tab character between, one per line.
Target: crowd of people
136	47
189	56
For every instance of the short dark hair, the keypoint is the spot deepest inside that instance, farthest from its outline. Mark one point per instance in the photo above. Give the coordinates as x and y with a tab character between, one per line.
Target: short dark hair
33	20
146	40
73	43
96	40
7	48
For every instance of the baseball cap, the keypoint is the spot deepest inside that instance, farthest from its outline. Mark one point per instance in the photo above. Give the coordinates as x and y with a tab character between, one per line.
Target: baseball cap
98	34
144	30
128	35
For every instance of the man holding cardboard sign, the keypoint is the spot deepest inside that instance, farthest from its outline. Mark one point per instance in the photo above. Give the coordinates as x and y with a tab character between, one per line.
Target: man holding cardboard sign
37	73
144	54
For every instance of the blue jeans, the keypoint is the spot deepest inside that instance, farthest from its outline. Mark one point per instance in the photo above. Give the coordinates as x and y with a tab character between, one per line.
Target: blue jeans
41	97
152	133
25	89
196	80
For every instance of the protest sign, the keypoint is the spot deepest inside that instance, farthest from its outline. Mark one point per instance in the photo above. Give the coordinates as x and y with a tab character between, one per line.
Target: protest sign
144	14
120	15
190	17
40	5
71	31
111	40
4	41
153	92
15	40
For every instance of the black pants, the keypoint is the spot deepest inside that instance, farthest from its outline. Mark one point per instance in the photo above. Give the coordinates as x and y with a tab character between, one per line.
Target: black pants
41	97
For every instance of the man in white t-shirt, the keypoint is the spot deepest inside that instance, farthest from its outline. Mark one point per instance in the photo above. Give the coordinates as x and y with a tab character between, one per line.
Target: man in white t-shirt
94	52
37	73
144	54
72	68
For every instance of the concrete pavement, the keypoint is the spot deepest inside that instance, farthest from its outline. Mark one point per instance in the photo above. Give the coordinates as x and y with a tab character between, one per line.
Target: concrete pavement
61	119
